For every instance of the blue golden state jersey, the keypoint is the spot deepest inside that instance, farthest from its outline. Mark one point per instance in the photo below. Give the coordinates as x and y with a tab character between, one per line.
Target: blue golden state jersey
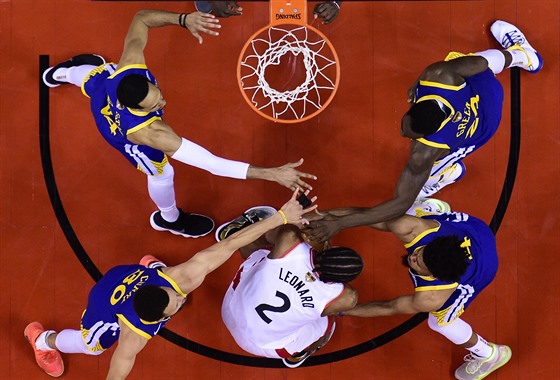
115	122
480	243
474	111
111	300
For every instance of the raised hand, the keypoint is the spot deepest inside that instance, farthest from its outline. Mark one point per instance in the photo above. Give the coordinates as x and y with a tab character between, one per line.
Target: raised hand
202	22
327	10
287	175
226	8
293	211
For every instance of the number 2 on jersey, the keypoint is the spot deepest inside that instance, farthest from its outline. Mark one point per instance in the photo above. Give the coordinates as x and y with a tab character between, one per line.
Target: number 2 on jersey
275	309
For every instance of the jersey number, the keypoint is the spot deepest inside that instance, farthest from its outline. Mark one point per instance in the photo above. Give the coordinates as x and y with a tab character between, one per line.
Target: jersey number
275	309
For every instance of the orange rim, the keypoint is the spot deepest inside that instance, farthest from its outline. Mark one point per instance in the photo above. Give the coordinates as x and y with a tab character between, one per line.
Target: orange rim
306	117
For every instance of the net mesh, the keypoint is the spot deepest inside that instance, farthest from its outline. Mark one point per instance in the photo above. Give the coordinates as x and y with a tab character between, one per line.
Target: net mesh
310	76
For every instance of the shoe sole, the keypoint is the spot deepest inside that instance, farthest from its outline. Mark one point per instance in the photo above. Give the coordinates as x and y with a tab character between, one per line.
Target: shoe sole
35	349
272	211
158	228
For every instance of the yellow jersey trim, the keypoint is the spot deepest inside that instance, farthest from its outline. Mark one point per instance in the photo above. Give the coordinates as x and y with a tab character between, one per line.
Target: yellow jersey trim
421	235
127	67
431	143
137	113
436	287
173	283
441	85
142	125
134	328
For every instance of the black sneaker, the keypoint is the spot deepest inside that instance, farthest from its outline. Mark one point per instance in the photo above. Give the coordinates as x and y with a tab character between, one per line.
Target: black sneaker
188	225
82	59
251	216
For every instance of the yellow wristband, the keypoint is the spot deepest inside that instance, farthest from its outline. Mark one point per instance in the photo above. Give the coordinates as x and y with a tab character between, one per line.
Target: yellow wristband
283	216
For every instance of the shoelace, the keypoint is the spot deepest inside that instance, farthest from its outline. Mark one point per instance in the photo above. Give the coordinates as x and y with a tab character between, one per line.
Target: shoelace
513	38
474	363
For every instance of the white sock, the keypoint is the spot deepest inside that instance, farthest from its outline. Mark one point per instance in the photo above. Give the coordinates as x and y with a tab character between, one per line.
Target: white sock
74	75
156	264
496	59
518	58
42	340
482	348
162	193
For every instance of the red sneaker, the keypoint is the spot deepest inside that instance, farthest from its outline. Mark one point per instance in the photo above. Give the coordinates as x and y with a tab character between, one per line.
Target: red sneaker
153	262
49	361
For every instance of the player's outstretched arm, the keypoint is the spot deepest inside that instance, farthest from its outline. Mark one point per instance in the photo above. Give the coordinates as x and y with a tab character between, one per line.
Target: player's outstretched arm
137	35
161	136
424	301
286	175
413	177
191	273
129	345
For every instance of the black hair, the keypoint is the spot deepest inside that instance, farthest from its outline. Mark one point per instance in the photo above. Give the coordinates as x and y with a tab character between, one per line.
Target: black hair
338	264
425	117
132	89
446	259
149	302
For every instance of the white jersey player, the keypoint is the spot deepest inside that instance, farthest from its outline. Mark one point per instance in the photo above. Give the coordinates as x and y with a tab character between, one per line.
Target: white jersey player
282	299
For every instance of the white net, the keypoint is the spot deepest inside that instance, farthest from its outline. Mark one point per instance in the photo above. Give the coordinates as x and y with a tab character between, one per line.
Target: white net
317	80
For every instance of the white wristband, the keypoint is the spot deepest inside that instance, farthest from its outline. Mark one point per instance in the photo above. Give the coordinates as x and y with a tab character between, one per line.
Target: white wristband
193	154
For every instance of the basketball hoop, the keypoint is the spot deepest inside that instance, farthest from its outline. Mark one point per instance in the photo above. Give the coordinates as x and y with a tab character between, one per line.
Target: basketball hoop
288	71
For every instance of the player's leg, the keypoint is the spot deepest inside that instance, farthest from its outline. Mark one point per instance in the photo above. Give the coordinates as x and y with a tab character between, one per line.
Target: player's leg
72	71
484	358
170	218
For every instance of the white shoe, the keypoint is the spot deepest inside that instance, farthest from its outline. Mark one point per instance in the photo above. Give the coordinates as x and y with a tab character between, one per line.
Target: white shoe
476	368
452	174
511	38
429	206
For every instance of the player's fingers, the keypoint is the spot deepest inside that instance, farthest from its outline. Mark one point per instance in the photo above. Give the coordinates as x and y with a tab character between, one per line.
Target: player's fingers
304	185
207	17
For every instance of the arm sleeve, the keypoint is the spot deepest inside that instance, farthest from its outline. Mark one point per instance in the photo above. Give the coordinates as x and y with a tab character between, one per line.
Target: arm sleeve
193	154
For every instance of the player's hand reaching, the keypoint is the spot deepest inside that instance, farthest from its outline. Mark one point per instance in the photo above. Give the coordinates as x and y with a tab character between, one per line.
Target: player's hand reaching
226	8
293	211
286	175
324	229
202	22
327	10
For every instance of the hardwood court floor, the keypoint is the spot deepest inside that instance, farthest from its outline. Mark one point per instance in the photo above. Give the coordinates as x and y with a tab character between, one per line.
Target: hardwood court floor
353	147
